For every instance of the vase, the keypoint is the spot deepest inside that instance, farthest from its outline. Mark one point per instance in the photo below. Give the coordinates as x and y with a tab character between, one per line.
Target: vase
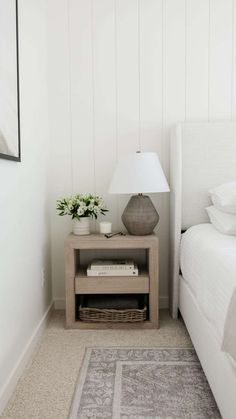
81	227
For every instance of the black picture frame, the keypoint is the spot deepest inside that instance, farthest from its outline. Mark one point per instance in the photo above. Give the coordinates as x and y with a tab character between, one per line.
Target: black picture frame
4	155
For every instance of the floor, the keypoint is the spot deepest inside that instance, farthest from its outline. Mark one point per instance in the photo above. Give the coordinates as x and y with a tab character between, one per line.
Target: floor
47	385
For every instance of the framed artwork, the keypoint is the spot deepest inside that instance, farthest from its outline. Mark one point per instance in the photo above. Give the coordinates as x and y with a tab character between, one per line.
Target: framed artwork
9	82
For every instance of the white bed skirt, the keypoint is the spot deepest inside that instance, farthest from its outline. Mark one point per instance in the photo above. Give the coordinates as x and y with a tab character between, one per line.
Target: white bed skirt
219	369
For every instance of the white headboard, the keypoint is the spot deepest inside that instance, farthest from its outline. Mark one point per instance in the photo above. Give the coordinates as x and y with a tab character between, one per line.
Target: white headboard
203	155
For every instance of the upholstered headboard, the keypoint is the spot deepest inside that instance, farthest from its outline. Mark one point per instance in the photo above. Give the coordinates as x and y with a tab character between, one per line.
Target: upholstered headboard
203	155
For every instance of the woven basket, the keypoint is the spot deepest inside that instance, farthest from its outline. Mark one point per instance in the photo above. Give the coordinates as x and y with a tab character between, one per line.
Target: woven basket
112	315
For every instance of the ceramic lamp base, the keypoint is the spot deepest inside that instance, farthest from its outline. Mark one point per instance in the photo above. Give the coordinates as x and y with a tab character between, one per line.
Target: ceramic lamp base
140	216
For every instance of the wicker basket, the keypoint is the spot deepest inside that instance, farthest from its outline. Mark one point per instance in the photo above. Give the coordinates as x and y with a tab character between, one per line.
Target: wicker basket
99	315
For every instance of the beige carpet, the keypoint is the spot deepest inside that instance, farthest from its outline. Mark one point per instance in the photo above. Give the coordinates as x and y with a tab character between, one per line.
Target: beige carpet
46	388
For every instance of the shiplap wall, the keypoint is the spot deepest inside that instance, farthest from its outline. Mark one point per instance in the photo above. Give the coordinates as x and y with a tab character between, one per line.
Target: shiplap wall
122	72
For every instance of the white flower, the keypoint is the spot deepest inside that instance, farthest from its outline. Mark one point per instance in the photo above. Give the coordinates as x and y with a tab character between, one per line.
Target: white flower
96	209
80	211
86	196
81	204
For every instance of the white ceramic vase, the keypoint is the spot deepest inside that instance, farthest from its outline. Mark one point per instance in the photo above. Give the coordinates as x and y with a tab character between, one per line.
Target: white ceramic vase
81	227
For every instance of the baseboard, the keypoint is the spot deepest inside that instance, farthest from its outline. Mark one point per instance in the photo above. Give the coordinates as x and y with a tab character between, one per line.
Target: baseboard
163	302
18	369
59	303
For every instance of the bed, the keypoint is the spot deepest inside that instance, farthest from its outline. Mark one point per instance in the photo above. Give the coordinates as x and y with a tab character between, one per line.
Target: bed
203	261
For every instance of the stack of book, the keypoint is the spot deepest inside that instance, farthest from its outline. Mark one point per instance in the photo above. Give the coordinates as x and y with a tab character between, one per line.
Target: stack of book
112	268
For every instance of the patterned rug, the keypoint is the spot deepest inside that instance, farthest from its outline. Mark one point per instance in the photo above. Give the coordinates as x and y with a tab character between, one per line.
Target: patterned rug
138	383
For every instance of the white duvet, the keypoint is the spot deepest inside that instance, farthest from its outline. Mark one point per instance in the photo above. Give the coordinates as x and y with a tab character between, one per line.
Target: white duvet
208	265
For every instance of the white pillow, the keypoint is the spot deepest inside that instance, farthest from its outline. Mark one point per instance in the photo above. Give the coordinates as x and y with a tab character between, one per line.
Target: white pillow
223	222
224	197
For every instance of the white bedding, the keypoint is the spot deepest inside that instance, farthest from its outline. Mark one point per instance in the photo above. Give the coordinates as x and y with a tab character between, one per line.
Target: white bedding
208	265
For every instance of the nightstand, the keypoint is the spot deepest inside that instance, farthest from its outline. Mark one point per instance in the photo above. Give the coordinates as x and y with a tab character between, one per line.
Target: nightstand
78	283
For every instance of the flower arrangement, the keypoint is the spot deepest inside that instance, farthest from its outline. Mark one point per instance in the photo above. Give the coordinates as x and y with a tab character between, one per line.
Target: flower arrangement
81	205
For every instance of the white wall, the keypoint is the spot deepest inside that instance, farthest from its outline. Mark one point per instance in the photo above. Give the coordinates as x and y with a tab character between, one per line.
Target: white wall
122	72
24	212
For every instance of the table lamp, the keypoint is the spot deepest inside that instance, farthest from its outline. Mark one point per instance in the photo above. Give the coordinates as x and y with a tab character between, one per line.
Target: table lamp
139	173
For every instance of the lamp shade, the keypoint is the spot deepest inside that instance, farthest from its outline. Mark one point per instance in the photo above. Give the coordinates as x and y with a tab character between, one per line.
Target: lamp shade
138	173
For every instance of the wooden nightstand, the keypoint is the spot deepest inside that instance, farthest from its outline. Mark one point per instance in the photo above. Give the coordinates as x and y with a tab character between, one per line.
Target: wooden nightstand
78	283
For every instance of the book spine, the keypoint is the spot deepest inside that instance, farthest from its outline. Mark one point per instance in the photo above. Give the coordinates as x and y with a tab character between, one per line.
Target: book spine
111	267
113	272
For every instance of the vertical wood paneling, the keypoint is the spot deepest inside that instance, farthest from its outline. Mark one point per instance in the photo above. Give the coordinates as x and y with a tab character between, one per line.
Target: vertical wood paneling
105	99
59	88
174	64
173	99
151	75
81	81
127	75
220	59
174	69
151	99
197	43
127	50
60	171
124	72
233	78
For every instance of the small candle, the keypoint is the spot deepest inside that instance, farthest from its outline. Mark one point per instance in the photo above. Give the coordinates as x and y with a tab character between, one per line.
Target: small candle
105	227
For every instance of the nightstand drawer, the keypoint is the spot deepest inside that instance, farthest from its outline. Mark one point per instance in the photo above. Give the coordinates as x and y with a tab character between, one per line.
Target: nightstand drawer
112	284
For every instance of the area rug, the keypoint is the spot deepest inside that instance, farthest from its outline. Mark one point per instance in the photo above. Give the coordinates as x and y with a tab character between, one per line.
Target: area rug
136	383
